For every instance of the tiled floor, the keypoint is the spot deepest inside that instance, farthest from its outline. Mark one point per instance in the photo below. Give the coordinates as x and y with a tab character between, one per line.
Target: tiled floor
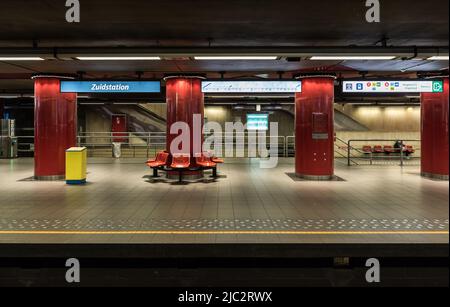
250	205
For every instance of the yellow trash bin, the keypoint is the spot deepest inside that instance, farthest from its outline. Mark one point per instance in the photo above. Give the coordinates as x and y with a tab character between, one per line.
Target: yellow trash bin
76	160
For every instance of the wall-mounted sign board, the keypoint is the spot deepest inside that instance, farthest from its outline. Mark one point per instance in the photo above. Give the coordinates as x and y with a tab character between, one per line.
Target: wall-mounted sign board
320	130
110	87
416	86
258	122
251	87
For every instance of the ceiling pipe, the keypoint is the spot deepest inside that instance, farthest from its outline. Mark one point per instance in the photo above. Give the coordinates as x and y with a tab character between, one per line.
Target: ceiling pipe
177	52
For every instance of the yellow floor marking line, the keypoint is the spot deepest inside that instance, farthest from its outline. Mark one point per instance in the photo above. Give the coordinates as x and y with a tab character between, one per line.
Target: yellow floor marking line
219	232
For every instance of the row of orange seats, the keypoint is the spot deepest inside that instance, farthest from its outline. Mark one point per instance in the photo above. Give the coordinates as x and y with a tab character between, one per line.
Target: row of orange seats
182	161
387	149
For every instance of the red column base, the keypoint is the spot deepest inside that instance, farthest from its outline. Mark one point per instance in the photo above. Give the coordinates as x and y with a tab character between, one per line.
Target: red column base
316	178
435	176
50	178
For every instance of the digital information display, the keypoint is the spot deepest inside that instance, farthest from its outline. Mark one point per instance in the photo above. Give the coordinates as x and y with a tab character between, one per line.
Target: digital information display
257	121
418	86
251	86
110	87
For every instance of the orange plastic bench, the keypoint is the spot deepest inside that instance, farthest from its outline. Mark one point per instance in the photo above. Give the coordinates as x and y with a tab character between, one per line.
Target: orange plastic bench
367	149
378	149
214	158
180	163
217	160
410	149
388	149
207	163
159	162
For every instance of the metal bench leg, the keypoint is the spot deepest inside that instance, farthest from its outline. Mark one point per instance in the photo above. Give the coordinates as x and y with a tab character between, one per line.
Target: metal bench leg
180	176
155	172
215	172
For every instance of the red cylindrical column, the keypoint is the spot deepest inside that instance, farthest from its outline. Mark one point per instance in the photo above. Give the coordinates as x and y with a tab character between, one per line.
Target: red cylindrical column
434	133
55	127
314	129
185	99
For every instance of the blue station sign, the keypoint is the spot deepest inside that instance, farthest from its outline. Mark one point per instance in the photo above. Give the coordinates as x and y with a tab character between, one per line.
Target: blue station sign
110	87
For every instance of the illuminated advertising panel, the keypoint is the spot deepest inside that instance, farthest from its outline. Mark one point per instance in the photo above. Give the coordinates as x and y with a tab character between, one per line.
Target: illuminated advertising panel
251	86
258	122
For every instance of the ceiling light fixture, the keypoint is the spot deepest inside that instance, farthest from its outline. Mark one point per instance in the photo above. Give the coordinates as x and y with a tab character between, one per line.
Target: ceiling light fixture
9	96
21	59
118	58
236	57
352	57
438	58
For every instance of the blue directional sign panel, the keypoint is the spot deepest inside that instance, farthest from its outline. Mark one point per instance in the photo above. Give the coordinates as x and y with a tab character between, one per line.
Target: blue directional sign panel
110	87
401	86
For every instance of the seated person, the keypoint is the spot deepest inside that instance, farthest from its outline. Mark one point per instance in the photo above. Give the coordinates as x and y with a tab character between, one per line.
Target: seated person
397	145
400	146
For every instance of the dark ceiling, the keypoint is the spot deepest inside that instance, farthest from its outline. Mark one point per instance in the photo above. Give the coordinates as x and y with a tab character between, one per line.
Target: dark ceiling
30	26
226	22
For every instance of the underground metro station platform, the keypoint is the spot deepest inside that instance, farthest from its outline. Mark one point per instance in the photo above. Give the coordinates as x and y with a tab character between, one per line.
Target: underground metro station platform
239	130
122	204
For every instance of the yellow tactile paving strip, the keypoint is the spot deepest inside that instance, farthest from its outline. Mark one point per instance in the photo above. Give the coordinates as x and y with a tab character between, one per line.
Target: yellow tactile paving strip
231	232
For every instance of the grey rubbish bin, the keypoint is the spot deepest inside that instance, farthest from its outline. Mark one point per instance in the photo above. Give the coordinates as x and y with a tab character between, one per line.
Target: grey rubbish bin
8	147
117	149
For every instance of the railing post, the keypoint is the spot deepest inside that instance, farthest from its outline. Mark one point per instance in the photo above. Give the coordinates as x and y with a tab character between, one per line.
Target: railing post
348	152
148	143
287	146
401	153
293	145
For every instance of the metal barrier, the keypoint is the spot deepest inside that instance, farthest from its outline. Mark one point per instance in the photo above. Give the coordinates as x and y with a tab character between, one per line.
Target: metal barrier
134	144
352	154
240	142
356	155
147	144
151	142
290	146
25	144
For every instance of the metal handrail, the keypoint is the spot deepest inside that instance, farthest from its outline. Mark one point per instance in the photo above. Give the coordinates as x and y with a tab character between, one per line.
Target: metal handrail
346	147
400	151
29	144
157	139
285	143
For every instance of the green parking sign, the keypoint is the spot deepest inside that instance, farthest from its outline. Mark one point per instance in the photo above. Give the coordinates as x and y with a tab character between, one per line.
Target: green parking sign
438	86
